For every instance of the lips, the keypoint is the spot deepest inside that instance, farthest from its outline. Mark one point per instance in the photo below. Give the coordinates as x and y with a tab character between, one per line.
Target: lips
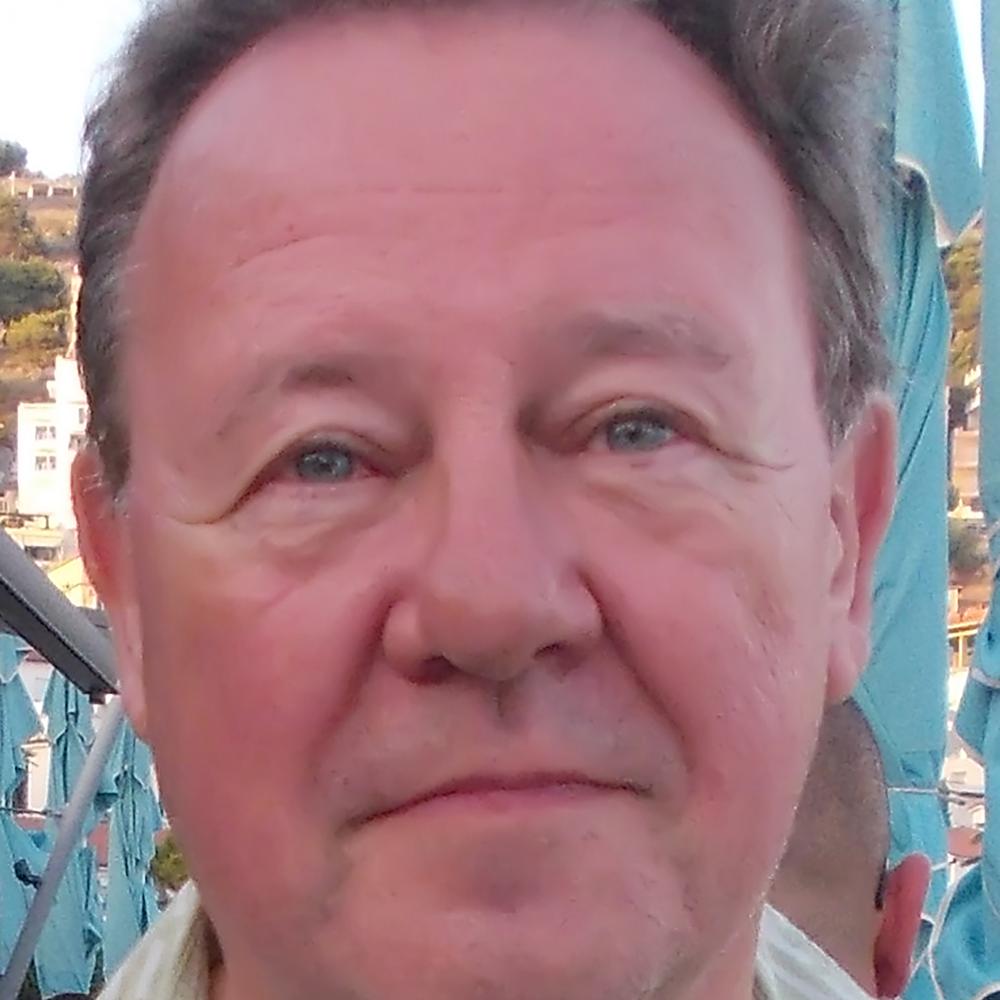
496	788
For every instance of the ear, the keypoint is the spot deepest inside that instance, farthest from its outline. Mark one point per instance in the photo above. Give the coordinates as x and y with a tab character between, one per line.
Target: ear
863	492
905	890
102	523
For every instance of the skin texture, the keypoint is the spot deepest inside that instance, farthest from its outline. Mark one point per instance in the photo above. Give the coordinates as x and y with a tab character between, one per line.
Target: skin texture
533	272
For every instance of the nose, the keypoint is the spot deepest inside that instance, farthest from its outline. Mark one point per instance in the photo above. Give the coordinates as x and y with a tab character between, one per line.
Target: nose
500	590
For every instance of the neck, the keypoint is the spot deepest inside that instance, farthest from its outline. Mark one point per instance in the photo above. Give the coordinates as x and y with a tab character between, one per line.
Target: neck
730	975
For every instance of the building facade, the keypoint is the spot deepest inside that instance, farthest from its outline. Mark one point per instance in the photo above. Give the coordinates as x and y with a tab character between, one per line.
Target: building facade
965	448
49	435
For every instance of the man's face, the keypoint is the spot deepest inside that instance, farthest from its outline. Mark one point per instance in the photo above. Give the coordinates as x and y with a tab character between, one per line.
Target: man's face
484	566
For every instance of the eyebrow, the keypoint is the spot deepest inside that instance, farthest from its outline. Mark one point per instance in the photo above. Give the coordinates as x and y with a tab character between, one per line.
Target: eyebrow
655	333
591	335
277	377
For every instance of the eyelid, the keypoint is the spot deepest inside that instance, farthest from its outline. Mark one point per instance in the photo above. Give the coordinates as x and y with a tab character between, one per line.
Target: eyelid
599	418
688	426
271	469
365	455
295	455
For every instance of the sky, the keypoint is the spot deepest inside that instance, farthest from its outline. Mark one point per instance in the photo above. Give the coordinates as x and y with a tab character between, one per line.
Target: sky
968	16
55	52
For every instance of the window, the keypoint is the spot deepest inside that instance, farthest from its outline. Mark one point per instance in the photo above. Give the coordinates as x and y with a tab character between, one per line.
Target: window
19	802
42	553
45	463
45	432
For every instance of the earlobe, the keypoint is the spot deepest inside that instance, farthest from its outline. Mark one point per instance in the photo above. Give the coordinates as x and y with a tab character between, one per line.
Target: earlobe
905	889
105	549
864	483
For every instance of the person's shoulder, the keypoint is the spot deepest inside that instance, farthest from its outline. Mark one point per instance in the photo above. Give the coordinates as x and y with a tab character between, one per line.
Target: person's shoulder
171	960
791	966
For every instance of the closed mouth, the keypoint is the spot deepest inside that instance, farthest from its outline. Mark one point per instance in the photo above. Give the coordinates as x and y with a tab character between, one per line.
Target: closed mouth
537	787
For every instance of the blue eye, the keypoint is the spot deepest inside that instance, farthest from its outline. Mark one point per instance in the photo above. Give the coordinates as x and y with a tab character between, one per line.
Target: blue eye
325	463
638	432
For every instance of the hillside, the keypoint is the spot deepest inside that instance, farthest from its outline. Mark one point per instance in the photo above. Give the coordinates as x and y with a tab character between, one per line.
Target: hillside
37	258
22	380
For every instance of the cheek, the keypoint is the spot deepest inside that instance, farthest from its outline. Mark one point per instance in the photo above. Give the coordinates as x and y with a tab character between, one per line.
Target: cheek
244	664
734	558
721	618
744	702
249	671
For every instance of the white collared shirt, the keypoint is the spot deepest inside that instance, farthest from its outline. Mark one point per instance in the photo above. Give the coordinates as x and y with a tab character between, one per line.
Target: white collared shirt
796	967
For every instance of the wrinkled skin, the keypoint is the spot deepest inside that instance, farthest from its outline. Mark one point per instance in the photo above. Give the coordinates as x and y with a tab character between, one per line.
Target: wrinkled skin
469	384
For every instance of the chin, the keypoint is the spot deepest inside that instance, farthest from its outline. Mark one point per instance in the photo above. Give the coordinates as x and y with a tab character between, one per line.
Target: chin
489	927
491	909
509	956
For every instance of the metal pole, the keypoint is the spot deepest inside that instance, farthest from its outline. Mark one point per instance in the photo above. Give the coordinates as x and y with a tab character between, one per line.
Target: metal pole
46	620
70	830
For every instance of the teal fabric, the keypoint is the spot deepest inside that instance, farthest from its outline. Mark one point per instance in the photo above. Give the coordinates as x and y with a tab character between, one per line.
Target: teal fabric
934	144
66	956
18	723
967	956
18	719
909	635
934	129
135	818
903	691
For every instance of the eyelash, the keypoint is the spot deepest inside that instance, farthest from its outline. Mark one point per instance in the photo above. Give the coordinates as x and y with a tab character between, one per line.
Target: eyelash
283	467
638	415
593	428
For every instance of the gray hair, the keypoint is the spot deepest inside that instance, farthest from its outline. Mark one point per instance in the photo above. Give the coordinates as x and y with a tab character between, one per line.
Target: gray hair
807	74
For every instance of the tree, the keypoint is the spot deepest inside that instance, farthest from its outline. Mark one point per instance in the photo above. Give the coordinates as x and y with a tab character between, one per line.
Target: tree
168	867
963	275
38	331
966	548
964	355
19	239
29	286
13	157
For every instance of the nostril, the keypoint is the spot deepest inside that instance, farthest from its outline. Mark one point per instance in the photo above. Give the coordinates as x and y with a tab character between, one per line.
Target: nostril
557	657
433	670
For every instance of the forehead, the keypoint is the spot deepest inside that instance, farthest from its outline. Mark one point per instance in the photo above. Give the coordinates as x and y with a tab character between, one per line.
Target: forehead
320	120
342	158
428	78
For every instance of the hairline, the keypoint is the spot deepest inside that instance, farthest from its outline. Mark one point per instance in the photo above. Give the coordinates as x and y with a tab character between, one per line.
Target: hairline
116	263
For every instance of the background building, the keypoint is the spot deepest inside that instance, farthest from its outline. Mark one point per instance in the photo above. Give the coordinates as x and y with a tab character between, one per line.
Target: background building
965	445
49	434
